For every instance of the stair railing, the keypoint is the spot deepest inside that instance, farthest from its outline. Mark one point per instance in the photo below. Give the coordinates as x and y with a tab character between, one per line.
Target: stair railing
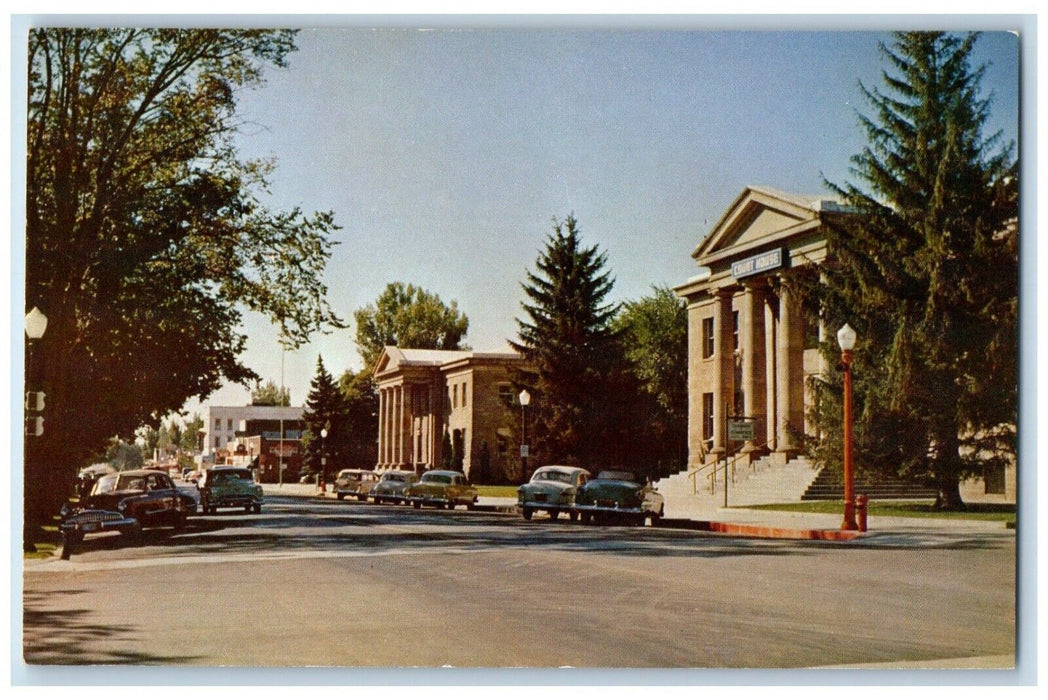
735	456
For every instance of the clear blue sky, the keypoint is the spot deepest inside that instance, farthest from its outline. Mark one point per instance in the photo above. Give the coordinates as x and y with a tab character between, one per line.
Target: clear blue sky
445	154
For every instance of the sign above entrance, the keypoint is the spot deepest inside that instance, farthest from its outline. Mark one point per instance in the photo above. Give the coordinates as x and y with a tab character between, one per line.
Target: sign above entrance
740	430
757	264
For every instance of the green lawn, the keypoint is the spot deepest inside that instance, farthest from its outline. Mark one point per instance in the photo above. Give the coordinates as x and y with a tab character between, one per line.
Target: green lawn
497	491
903	509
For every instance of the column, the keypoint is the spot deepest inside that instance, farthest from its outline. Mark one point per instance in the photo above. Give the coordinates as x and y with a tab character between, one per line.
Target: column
751	342
790	377
398	426
770	422
724	364
381	426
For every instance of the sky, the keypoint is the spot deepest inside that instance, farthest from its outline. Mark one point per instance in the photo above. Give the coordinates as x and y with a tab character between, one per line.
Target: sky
446	153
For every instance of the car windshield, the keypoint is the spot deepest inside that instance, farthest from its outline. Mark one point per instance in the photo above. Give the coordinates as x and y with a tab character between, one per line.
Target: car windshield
437	478
117	482
553	475
227	476
394	477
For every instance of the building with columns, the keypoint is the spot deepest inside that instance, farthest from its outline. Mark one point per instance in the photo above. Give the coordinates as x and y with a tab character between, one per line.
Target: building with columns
750	345
424	394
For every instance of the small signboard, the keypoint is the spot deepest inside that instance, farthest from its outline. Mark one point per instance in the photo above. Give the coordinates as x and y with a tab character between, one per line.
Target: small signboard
523	450
740	430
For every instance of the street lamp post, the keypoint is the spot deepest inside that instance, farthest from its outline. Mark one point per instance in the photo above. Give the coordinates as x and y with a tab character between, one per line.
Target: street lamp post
846	339
525	399
35	325
323	459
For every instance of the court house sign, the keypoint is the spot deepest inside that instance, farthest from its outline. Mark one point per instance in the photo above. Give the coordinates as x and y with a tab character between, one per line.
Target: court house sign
757	264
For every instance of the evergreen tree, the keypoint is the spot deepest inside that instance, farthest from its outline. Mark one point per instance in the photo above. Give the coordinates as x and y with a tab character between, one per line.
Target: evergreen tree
925	268
577	359
325	410
361	399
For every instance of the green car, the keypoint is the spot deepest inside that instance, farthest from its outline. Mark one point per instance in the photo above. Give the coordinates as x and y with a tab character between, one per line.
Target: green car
230	487
619	496
443	489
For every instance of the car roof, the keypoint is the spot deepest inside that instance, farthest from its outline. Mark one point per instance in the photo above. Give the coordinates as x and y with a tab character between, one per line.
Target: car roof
446	472
136	472
356	471
561	468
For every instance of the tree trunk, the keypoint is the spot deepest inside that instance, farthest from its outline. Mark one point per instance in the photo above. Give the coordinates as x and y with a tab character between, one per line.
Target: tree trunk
948	472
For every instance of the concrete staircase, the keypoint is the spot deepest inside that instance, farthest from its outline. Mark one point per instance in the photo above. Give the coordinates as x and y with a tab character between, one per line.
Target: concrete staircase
829	486
748	484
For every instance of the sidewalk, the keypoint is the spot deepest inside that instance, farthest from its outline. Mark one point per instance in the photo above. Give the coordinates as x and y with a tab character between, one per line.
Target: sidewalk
686	513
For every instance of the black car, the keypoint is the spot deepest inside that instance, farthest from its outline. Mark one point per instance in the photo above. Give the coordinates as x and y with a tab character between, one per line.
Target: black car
125	501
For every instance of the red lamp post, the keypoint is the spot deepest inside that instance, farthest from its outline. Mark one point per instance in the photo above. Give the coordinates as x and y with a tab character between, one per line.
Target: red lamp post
846	339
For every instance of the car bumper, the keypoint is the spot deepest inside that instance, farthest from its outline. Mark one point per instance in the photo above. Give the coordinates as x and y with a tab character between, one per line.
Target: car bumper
96	521
544	505
235	501
614	509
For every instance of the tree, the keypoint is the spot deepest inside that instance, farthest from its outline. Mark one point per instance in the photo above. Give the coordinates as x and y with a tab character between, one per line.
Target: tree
145	236
325	410
269	394
361	399
123	456
925	268
655	337
190	442
569	340
409	317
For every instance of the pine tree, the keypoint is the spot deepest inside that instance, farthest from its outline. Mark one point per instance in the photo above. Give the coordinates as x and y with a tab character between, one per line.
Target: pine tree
575	353
325	410
925	268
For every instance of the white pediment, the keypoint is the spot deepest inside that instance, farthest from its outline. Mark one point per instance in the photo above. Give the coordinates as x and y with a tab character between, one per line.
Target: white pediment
758	215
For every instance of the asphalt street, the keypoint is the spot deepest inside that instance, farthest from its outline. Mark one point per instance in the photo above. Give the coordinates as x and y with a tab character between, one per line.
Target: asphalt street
311	583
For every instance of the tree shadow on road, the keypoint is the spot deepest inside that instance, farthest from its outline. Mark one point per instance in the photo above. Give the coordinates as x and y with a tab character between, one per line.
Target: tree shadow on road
68	637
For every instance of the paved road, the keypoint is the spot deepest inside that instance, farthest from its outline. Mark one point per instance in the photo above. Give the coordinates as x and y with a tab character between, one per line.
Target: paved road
342	584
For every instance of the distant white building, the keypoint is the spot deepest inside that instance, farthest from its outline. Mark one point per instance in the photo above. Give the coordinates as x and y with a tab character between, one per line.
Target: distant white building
224	422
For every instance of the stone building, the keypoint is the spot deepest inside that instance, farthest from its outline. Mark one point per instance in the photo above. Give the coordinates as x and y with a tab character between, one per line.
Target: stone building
750	345
470	396
751	348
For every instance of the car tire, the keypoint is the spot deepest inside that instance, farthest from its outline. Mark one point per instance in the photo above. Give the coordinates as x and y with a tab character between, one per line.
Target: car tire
573	515
257	508
554	514
378	501
180	522
341	495
526	512
417	505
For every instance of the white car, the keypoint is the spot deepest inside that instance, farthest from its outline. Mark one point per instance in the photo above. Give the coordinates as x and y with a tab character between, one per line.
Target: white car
553	490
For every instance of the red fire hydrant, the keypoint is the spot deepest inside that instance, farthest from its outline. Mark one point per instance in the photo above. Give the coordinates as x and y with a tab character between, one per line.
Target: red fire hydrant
861	503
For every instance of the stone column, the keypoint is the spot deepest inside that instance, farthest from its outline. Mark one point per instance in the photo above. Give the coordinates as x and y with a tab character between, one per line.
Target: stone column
790	378
751	342
398	426
770	404
724	362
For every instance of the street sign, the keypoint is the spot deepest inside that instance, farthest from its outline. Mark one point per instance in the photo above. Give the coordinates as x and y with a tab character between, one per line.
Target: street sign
740	430
523	450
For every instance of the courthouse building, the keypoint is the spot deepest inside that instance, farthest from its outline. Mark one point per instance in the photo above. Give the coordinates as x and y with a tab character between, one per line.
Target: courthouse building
469	396
750	345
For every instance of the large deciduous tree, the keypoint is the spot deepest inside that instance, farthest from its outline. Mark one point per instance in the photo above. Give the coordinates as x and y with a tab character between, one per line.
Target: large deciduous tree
568	338
145	236
409	317
925	268
654	329
358	392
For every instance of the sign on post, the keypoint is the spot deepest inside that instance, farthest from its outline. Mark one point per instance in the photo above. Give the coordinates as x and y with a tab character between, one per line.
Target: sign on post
740	430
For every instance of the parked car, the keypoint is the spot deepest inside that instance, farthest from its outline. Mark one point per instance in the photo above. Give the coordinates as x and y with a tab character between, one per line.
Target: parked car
355	482
443	489
230	487
552	489
392	485
125	501
619	495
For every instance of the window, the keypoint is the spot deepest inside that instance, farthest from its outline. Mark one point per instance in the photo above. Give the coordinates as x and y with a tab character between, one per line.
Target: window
707	337
707	416
229	423
464	402
455	396
506	395
735	330
218	424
